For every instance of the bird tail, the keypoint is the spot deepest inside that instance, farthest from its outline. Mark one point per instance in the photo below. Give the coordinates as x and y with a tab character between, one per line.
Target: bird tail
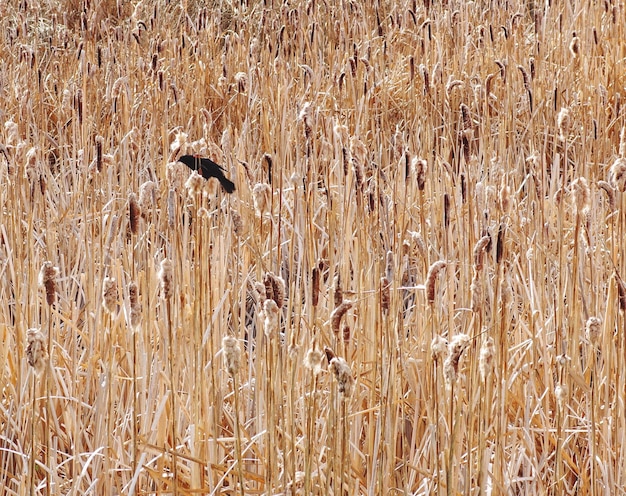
228	185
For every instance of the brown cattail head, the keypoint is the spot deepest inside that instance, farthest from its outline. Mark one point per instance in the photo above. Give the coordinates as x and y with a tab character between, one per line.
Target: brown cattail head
426	77
271	318
479	252
622	142
330	354
593	329
580	195
563	123
315	285
166	278
313	361
621	290
476	293
232	355
342	372
485	359
500	243
337	314
431	278
451	363
48	281
504	197
389	265
262	198
148	197
134	213
385	297
135	306
466	118
338	294
109	295
420	167
36	352
610	193
237	222
274	288
618	174
306	116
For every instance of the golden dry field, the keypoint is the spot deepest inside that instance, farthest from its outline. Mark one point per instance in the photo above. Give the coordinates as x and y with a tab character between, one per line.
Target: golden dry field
417	287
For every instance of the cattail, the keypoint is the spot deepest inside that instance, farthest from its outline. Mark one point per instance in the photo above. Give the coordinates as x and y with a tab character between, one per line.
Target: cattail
236	222
347	333
270	318
580	194
563	123
561	392
315	286
338	293
147	198
592	329
431	278
134	213
618	174
12	133
232	354
438	347
485	358
525	79
337	314
610	193
135	306
340	368
47	280
109	294
500	243
36	352
306	117
166	277
330	354
389	265
274	288
261	195
426	77
476	293
194	184
385	297
241	80
574	47
179	143
451	84
31	169
504	197
451	363
466	118
621	291
420	167
479	251
359	158
313	361
622	142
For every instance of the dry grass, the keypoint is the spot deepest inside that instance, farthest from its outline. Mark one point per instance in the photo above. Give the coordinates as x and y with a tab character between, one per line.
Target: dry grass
368	141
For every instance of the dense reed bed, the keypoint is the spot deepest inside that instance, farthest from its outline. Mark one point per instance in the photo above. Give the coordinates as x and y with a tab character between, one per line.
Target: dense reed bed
416	288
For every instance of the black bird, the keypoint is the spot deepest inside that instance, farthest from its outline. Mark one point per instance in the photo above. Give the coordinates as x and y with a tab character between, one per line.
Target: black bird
208	169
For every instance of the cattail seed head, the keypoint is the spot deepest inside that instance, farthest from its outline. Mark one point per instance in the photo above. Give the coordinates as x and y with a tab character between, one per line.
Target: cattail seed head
580	194
338	293
274	288
315	286
232	355
237	223
622	142
109	294
148	196
563	123
342	372
431	278
36	352
476	293
466	118
438	347
134	213
385	297
618	174
271	318
261	196
389	265
610	193
420	167
593	329
337	314
135	306
561	392
313	361
194	184
479	252
306	116
166	278
426	77
621	291
47	280
457	346
485	359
